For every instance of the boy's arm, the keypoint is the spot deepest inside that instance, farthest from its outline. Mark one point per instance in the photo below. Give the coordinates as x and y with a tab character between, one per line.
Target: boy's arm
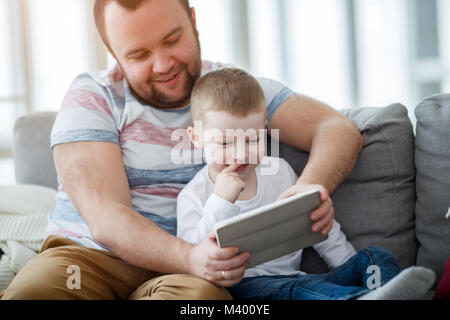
194	225
195	219
336	249
194	222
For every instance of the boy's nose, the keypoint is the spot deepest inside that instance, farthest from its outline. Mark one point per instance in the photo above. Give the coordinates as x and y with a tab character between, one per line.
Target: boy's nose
240	156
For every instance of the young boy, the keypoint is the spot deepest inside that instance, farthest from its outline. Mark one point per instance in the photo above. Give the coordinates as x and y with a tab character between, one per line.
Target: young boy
229	114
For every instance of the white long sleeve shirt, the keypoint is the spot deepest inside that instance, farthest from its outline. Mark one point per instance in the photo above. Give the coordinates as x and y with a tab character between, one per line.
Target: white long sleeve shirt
199	208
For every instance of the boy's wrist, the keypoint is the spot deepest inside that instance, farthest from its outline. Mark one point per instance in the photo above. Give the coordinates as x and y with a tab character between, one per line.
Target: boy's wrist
224	197
220	208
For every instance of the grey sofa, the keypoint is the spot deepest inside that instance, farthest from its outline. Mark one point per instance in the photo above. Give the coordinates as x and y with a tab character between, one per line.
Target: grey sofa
395	197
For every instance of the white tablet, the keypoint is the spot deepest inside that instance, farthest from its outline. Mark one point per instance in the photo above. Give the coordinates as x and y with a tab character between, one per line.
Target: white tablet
273	230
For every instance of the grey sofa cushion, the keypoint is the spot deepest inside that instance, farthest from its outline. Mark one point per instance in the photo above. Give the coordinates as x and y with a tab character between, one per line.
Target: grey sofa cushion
33	159
375	204
433	182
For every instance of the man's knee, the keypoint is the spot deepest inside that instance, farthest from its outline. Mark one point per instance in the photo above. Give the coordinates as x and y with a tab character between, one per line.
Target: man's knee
180	287
42	278
201	289
28	291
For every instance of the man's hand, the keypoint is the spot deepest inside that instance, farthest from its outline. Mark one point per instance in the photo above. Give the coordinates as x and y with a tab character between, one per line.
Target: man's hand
228	185
221	266
324	214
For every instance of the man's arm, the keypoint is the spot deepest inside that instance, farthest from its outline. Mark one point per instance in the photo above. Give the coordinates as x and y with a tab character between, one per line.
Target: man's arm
333	143
332	140
94	177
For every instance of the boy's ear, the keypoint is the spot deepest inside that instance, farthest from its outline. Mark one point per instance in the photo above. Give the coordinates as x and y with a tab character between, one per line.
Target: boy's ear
194	138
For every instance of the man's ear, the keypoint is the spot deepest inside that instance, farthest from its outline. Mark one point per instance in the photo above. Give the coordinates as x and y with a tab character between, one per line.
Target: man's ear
193	18
196	141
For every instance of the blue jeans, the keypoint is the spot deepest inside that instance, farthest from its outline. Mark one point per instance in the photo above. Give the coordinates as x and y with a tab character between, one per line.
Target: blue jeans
347	281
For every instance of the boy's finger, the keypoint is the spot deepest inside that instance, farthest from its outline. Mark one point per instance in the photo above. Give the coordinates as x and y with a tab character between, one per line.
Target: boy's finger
231	168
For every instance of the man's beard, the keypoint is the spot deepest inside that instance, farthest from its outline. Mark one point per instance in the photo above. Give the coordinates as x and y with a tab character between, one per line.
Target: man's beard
154	97
159	99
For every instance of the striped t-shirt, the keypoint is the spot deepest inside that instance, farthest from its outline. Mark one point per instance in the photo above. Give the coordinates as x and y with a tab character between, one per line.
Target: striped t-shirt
100	107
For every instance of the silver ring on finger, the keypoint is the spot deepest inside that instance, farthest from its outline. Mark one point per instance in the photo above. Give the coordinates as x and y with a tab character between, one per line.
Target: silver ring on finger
222	273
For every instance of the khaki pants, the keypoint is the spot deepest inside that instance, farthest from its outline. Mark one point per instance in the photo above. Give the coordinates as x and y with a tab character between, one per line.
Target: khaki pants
102	275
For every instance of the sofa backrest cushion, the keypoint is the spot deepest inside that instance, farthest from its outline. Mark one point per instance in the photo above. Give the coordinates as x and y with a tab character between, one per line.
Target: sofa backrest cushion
375	204
433	182
33	160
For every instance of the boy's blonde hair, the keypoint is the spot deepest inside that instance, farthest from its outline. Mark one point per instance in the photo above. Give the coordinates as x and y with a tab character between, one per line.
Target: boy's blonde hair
229	89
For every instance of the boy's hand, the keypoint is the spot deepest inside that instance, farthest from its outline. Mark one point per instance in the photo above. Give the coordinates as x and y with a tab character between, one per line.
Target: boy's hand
228	185
323	215
221	266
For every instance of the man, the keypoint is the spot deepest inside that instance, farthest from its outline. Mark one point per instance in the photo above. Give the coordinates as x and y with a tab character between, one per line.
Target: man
114	217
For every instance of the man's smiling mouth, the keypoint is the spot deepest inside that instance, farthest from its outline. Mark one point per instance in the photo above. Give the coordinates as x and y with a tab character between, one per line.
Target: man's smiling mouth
167	79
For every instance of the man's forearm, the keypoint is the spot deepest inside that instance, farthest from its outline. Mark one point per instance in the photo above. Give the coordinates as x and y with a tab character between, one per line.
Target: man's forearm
140	242
333	154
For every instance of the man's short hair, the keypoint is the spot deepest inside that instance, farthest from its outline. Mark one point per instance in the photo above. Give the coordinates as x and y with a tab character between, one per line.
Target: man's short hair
229	89
131	5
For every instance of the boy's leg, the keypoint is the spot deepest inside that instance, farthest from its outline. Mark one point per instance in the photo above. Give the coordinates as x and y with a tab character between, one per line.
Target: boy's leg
410	284
295	287
347	281
371	266
65	270
375	268
179	287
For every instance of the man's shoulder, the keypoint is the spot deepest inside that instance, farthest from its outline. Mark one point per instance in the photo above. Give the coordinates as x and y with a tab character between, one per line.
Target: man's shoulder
101	80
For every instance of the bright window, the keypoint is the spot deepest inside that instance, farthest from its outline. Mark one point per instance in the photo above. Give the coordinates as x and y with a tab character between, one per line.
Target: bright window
346	53
214	25
60	53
